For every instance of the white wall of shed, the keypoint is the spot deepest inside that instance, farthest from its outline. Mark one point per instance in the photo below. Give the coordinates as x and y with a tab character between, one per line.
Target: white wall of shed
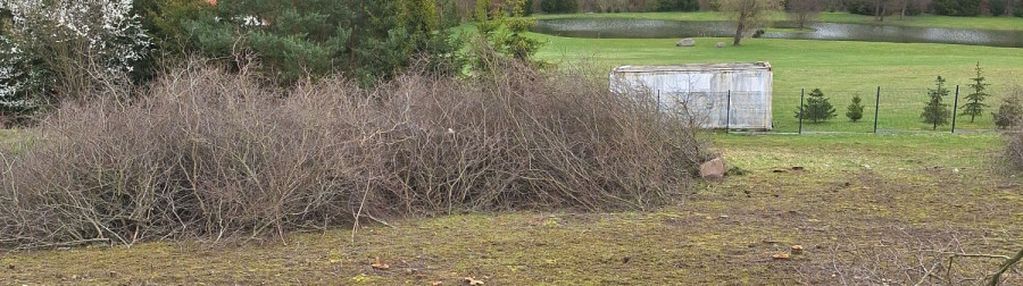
705	95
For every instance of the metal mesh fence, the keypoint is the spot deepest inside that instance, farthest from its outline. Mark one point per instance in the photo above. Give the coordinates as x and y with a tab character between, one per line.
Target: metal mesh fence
897	110
843	120
720	110
880	110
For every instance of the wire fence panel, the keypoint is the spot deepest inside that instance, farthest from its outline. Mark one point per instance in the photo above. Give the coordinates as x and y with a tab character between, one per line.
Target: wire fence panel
879	110
841	120
898	110
719	110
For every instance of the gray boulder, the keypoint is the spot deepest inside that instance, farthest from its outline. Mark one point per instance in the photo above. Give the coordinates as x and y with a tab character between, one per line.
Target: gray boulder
719	45
687	42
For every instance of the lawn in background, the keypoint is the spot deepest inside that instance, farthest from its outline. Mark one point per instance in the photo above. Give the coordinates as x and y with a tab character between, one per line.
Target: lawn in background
840	68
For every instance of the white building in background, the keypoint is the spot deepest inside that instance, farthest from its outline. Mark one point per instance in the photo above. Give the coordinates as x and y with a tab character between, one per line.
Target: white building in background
731	95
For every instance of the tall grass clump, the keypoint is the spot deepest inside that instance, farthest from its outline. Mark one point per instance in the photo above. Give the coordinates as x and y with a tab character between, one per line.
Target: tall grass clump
202	153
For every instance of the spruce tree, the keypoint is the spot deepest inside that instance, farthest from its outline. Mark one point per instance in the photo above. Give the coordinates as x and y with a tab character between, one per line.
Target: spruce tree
975	101
855	109
936	112
817	108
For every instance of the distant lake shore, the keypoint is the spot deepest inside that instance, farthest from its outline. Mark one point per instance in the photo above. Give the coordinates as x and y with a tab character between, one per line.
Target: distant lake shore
652	28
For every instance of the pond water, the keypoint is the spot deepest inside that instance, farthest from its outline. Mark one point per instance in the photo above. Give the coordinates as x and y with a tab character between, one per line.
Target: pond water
637	28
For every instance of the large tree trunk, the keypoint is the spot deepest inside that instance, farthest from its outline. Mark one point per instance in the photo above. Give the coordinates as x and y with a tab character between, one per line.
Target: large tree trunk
739	29
884	10
902	13
877	10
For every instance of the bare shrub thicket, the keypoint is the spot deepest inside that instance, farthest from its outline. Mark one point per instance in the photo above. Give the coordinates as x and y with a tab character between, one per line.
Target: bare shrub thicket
212	155
1009	118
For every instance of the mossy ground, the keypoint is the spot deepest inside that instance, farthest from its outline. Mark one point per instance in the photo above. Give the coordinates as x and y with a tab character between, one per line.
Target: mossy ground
864	207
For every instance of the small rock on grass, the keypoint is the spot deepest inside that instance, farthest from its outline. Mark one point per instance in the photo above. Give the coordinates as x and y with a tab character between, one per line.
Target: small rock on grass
713	169
687	42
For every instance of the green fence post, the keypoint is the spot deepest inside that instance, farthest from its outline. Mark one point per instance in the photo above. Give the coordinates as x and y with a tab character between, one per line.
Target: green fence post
955	110
801	93
727	113
877	106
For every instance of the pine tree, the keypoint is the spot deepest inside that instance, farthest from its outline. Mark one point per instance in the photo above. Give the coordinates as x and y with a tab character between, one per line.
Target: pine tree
855	112
370	40
936	112
975	101
817	108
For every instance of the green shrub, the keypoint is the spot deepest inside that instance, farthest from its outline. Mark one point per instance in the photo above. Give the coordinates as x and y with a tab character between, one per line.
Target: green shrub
855	110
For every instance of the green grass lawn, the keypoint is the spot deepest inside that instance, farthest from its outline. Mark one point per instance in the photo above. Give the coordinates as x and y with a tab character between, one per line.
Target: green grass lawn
863	207
841	69
990	23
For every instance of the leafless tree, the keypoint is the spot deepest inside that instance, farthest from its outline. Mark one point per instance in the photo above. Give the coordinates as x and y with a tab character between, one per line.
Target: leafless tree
748	14
804	11
880	8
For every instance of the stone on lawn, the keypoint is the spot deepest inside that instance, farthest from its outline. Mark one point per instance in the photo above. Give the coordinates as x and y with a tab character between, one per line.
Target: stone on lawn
719	45
713	169
687	42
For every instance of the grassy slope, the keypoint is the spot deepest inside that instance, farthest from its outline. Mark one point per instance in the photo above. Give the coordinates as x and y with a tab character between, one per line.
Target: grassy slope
875	202
841	69
991	23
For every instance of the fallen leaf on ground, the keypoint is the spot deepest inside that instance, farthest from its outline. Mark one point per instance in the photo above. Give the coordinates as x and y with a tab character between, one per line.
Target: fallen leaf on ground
473	282
797	249
377	264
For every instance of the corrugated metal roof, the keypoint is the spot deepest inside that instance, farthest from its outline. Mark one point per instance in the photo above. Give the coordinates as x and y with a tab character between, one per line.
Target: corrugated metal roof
694	67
